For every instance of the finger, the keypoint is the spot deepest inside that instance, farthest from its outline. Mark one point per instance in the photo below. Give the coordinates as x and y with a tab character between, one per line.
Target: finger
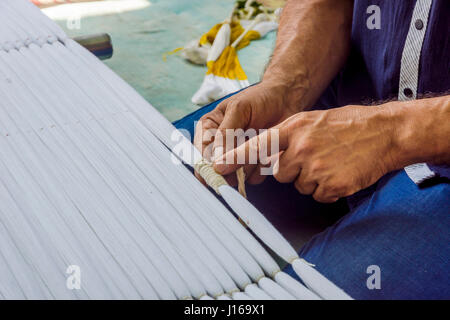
206	130
210	120
231	179
288	166
204	135
322	195
264	169
256	150
256	177
199	177
237	116
304	184
207	152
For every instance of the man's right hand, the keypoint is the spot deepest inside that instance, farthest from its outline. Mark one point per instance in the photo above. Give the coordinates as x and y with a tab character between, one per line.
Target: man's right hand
258	107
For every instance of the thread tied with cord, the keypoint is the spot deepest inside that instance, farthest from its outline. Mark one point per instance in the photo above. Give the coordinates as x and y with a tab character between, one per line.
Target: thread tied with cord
205	169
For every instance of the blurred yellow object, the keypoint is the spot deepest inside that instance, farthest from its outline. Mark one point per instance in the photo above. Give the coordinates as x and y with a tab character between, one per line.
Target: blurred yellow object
225	74
210	35
227	65
198	51
236	31
273	4
208	38
171	52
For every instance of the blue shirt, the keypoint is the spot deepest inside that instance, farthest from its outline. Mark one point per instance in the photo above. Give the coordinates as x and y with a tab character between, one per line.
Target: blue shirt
379	56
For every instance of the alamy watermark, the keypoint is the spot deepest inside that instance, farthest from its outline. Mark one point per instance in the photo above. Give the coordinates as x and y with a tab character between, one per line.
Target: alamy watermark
374	280
374	20
73	281
261	147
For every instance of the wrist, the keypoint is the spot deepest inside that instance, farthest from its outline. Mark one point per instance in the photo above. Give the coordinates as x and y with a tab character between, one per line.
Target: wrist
395	129
294	95
416	134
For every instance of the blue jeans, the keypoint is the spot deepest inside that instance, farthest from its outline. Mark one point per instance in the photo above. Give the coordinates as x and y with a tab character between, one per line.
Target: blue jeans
390	241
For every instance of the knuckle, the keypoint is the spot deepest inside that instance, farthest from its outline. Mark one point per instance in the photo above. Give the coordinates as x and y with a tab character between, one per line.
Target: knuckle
224	104
336	188
204	117
340	189
308	142
240	108
301	187
205	122
325	191
234	105
298	186
210	115
300	119
280	178
348	191
325	198
290	126
305	148
279	175
319	198
317	166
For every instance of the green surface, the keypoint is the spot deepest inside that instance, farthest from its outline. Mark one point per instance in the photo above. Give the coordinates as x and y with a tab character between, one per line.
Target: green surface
141	37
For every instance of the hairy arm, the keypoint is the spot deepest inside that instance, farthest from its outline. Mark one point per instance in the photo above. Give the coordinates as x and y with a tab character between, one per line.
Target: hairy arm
421	131
312	45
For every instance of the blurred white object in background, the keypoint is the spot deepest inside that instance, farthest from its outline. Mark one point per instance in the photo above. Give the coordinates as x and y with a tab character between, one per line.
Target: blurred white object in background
96	8
225	74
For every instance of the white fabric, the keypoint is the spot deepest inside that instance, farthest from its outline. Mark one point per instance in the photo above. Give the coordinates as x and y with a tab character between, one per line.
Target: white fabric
263	27
214	88
221	41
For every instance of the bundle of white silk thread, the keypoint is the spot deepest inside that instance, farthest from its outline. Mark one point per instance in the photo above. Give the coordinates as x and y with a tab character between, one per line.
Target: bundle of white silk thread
87	180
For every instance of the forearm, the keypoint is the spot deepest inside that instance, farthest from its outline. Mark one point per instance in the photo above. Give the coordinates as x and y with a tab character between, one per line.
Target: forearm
421	131
312	45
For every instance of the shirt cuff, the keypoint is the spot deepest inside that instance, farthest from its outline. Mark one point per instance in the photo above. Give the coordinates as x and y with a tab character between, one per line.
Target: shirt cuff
425	175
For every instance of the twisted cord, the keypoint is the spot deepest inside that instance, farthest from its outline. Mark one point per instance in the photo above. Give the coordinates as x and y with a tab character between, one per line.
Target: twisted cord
211	177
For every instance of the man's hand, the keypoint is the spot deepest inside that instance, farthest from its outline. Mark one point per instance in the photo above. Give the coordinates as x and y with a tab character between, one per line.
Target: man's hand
312	45
329	154
260	106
